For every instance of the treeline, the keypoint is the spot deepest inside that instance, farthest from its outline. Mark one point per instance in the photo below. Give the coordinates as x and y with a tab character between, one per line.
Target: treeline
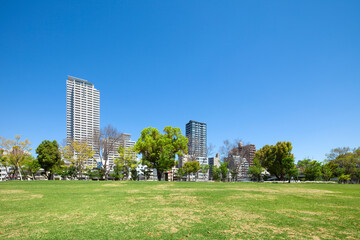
342	164
73	161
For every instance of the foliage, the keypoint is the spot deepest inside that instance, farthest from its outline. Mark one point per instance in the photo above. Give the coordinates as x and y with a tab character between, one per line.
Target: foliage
78	153
16	153
224	170
256	170
234	172
49	157
277	159
328	170
159	150
180	173
126	160
146	171
216	173
204	169
97	173
31	166
191	167
134	174
293	173
344	178
347	160
311	169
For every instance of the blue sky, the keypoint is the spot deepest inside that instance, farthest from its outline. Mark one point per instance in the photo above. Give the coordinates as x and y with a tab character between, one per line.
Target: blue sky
262	71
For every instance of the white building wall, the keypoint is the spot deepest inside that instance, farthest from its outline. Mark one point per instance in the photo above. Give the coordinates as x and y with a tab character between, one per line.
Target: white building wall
82	111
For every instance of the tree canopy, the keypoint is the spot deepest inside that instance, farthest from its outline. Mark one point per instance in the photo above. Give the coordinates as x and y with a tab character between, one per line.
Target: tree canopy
159	150
49	157
277	159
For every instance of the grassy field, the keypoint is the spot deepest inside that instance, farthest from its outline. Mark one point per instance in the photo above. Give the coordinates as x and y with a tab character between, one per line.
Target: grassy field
173	210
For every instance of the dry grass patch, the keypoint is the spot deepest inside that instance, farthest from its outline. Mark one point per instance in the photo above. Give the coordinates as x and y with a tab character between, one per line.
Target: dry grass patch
184	198
246	196
18	195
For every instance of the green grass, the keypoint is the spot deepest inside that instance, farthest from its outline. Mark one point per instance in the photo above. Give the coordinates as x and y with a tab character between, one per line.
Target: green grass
173	210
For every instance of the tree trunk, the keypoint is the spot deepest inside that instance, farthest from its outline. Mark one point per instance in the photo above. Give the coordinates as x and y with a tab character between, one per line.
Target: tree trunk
159	174
50	176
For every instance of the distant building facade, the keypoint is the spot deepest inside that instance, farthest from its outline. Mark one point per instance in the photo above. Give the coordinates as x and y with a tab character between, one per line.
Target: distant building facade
241	158
213	161
82	112
125	142
196	132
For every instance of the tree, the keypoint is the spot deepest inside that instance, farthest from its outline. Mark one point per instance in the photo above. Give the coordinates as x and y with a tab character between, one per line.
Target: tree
180	173
106	143
126	160
216	173
293	173
31	166
328	170
191	167
78	153
159	150
16	152
277	159
344	178
210	149
117	172
256	170
4	161
49	157
224	170
347	160
204	169
146	171
311	169
134	173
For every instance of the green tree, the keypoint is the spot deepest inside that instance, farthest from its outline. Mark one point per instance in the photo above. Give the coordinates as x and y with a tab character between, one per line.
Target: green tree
31	166
78	153
191	167
134	174
16	153
344	178
180	173
49	157
216	172
256	170
146	171
159	150
277	159
224	170
348	162
328	170
311	169
293	172
126	160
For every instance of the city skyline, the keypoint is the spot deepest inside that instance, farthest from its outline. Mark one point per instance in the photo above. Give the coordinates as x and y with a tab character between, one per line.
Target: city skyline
260	71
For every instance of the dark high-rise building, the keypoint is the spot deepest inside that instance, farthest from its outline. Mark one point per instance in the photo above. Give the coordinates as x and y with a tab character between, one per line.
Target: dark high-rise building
197	134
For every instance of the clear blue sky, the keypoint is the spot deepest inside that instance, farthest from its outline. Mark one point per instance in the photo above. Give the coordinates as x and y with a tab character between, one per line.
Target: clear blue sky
263	71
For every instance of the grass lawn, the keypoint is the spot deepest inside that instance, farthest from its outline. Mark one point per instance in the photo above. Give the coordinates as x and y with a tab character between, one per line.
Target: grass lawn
178	210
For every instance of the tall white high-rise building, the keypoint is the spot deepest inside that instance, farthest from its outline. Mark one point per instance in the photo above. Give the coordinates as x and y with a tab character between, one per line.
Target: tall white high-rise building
82	111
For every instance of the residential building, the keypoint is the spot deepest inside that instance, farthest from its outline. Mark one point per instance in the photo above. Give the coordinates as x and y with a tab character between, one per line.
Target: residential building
196	132
213	161
82	112
241	158
125	142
